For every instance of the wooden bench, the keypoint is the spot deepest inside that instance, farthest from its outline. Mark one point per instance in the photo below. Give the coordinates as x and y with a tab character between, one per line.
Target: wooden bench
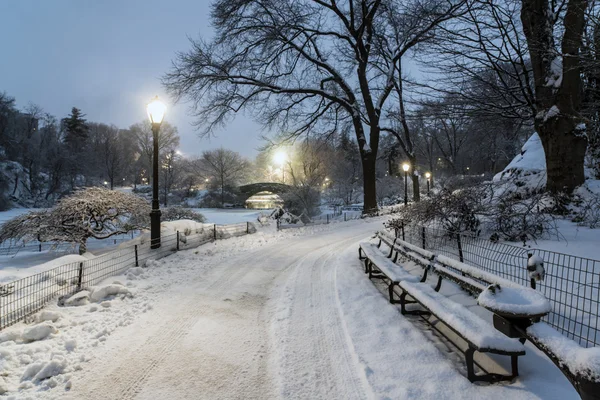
479	335
378	266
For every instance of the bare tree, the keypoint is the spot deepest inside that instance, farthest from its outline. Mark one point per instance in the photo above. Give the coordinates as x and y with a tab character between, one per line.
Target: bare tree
558	86
530	69
225	169
168	139
308	66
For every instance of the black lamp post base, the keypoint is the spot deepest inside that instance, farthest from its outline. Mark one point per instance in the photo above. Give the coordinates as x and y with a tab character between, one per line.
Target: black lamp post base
155	229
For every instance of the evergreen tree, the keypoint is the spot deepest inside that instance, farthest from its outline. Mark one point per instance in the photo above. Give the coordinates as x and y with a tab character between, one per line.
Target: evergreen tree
75	128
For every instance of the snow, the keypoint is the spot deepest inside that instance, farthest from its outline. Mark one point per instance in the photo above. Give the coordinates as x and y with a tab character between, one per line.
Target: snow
10	274
579	360
38	332
512	300
477	272
553	112
531	161
475	329
100	293
286	314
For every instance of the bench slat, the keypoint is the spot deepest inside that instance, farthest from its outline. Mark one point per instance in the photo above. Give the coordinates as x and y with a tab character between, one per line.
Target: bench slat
393	271
470	326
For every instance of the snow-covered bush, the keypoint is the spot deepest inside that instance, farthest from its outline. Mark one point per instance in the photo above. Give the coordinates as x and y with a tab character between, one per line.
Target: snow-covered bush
514	218
456	211
93	212
176	213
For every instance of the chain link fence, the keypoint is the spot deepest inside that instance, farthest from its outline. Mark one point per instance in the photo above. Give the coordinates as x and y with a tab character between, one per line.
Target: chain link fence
572	284
21	298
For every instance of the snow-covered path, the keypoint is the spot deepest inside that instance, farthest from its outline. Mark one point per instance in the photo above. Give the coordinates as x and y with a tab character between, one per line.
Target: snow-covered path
211	339
275	315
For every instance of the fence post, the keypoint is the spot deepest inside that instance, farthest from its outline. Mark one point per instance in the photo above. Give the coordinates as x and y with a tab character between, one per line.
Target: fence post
533	284
247	228
278	223
215	232
345	217
423	233
460	250
137	263
402	227
327	218
80	277
40	247
177	240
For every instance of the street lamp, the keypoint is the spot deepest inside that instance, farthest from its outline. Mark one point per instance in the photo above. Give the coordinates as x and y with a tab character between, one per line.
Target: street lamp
156	112
405	167
280	158
428	176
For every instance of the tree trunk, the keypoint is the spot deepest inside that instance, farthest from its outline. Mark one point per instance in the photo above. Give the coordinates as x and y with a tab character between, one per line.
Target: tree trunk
369	183
565	154
83	246
416	187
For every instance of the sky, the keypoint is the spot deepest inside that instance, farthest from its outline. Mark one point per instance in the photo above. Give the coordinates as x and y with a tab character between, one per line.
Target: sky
106	58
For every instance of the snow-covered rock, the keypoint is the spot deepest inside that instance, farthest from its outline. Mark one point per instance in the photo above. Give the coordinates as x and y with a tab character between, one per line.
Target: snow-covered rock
38	332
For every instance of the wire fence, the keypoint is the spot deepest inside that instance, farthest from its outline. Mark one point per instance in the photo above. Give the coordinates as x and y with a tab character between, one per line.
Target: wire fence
11	248
322	219
21	298
572	284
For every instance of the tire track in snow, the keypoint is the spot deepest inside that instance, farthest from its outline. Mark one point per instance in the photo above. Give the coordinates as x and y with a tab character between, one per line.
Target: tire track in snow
319	361
127	378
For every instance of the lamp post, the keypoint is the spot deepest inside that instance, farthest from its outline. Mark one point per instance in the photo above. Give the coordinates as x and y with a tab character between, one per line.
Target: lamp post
280	158
405	167
428	176
156	112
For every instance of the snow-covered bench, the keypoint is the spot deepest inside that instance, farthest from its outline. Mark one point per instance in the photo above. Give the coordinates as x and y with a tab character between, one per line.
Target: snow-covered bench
378	266
479	335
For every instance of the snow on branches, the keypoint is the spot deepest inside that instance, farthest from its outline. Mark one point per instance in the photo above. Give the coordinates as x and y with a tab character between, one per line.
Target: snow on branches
88	213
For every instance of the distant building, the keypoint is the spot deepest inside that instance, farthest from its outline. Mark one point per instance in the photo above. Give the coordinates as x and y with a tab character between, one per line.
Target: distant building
264	200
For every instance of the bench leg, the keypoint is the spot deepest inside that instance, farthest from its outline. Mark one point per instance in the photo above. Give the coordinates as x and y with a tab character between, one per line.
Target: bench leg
514	361
391	252
396	257
366	265
379	244
391	292
470	364
424	277
403	303
360	257
439	284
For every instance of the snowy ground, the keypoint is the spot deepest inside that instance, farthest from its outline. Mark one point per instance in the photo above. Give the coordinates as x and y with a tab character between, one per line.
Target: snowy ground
272	315
19	263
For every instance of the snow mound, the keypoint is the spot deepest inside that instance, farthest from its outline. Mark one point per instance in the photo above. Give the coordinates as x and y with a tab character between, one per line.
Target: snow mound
43	370
532	160
11	274
48	315
102	292
10	336
38	332
78	299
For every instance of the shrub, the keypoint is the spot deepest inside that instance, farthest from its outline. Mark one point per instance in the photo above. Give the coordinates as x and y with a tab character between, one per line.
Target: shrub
176	213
